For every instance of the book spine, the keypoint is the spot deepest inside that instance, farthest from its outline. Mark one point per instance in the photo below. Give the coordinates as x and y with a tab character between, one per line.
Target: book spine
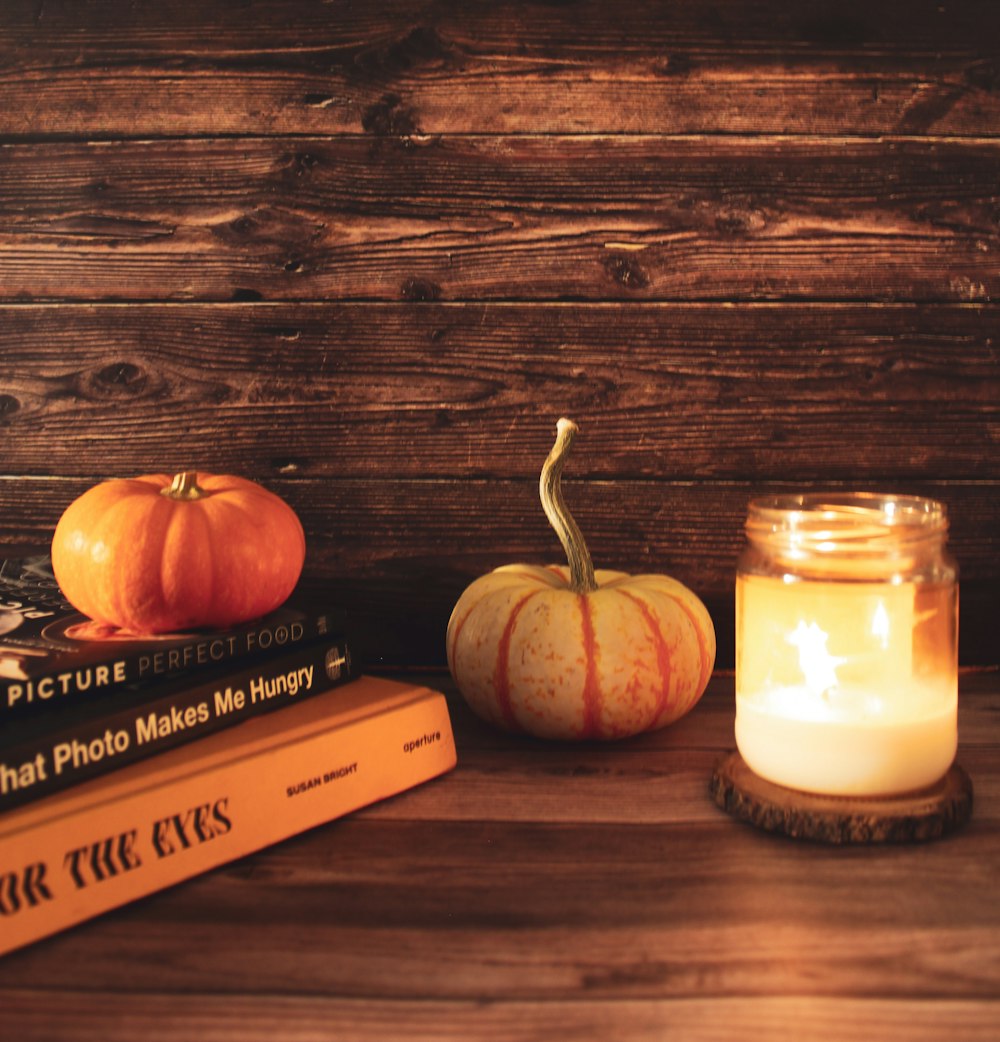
75	866
71	751
146	661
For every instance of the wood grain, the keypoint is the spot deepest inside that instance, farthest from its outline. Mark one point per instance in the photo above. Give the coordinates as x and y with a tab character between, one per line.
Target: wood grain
556	930
358	528
419	67
664	392
368	253
585	217
257	1018
583	876
394	556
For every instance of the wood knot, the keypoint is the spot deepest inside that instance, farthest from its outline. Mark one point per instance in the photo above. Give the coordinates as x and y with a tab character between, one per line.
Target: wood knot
242	226
674	65
288	465
121	376
303	163
418	291
318	101
8	405
739	221
626	271
289	333
119	380
389	117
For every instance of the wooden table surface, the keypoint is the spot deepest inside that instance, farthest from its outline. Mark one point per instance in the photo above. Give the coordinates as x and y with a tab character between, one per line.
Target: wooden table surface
542	891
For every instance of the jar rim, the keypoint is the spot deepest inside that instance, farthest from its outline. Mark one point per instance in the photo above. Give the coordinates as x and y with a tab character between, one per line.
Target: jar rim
832	521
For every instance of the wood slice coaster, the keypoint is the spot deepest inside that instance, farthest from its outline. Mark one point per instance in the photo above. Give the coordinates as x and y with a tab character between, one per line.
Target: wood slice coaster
909	818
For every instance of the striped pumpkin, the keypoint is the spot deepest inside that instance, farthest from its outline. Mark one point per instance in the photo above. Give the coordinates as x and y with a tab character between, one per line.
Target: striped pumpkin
570	653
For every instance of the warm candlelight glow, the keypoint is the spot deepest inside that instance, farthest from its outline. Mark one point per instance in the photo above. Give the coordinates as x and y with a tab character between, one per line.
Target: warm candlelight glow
819	667
846	680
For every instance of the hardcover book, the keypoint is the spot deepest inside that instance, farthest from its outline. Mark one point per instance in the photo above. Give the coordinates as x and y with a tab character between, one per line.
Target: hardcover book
115	839
43	754
51	655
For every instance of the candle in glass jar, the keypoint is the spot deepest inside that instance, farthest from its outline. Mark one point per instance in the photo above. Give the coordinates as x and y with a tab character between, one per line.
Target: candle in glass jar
846	634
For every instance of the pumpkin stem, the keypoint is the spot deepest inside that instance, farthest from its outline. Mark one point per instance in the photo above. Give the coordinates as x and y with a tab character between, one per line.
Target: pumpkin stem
184	486
581	568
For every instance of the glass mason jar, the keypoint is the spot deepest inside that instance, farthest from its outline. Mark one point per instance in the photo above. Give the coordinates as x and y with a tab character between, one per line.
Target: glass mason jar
847	643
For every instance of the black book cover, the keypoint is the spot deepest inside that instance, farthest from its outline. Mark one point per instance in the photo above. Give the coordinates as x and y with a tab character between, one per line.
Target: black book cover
52	657
45	753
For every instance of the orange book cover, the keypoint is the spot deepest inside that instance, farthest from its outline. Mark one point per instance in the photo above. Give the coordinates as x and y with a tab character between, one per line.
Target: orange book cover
140	829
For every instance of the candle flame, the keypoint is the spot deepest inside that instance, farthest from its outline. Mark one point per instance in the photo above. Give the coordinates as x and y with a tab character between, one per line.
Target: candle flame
881	625
819	667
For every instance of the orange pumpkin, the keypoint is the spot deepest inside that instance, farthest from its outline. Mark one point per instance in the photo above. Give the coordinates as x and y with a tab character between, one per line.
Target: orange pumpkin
570	653
156	555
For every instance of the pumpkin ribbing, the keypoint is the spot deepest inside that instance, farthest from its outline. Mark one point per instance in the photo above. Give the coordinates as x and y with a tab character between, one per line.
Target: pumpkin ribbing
156	555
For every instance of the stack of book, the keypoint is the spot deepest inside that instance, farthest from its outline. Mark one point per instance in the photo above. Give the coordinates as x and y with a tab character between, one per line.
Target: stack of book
128	765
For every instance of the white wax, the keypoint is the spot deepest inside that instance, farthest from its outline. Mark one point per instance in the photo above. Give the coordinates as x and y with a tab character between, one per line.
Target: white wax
851	743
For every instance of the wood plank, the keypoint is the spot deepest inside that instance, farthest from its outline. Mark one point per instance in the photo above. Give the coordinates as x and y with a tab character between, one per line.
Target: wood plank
599	218
658	778
508	906
417	67
345	915
707	729
669	959
463	528
354	909
676	392
394	556
31	1016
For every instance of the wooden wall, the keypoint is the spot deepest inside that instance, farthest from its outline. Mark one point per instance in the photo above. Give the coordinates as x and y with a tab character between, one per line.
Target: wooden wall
368	253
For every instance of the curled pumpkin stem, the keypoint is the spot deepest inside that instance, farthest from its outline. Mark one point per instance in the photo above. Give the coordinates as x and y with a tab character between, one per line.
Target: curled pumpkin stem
581	568
184	486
